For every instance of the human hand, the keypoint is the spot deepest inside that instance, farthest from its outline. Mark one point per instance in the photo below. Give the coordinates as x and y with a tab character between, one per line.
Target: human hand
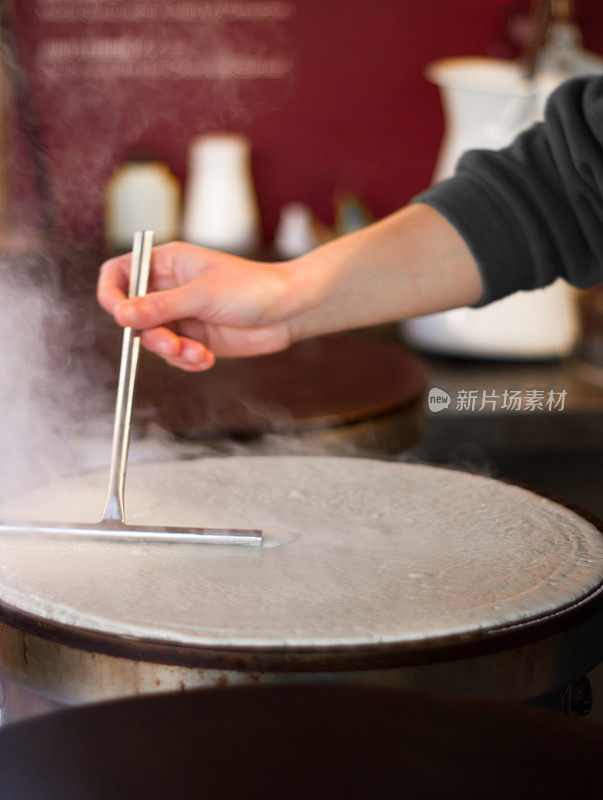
203	303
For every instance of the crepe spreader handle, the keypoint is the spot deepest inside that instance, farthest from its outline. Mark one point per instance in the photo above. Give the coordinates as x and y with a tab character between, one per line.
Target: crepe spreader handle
130	348
113	525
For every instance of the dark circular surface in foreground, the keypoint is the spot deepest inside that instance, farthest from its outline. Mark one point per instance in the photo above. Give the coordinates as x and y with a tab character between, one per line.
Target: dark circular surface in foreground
299	742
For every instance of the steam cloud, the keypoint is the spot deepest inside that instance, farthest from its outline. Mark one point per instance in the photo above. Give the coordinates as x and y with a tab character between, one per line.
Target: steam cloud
49	393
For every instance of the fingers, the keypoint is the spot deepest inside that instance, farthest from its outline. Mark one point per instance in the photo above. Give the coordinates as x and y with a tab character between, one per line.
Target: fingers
187	354
114	277
230	342
162	341
112	286
193	357
159	308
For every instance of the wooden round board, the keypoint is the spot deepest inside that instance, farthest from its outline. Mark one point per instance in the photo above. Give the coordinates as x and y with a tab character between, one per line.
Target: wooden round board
329	381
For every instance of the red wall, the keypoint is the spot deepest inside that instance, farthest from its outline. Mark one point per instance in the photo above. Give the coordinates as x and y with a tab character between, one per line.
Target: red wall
353	112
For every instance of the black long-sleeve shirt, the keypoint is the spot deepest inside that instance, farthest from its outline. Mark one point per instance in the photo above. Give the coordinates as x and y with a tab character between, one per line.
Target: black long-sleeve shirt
533	211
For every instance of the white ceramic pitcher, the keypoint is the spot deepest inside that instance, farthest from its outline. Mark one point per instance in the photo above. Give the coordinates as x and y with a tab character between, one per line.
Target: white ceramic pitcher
486	104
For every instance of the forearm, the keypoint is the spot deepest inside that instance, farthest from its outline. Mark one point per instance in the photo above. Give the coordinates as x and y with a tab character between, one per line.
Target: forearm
412	262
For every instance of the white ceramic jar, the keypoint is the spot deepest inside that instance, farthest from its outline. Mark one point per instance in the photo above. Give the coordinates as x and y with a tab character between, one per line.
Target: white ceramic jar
143	194
221	209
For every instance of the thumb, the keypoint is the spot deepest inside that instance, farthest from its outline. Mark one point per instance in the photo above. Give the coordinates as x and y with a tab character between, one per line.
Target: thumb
159	308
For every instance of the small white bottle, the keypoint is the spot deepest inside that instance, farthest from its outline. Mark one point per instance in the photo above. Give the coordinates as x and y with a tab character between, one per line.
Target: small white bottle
221	209
143	194
294	235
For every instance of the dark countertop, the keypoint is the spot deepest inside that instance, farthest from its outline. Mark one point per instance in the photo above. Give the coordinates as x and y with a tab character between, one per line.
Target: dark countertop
576	426
559	452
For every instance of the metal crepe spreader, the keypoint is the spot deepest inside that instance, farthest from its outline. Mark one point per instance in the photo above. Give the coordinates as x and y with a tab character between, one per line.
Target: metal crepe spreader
113	525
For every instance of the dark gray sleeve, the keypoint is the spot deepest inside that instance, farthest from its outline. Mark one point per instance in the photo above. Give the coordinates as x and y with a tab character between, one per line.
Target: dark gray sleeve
534	211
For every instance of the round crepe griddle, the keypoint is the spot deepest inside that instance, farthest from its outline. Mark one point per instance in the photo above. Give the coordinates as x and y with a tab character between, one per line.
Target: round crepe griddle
359	555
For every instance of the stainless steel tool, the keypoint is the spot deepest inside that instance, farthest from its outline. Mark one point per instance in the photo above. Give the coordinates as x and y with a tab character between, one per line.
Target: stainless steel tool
113	524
